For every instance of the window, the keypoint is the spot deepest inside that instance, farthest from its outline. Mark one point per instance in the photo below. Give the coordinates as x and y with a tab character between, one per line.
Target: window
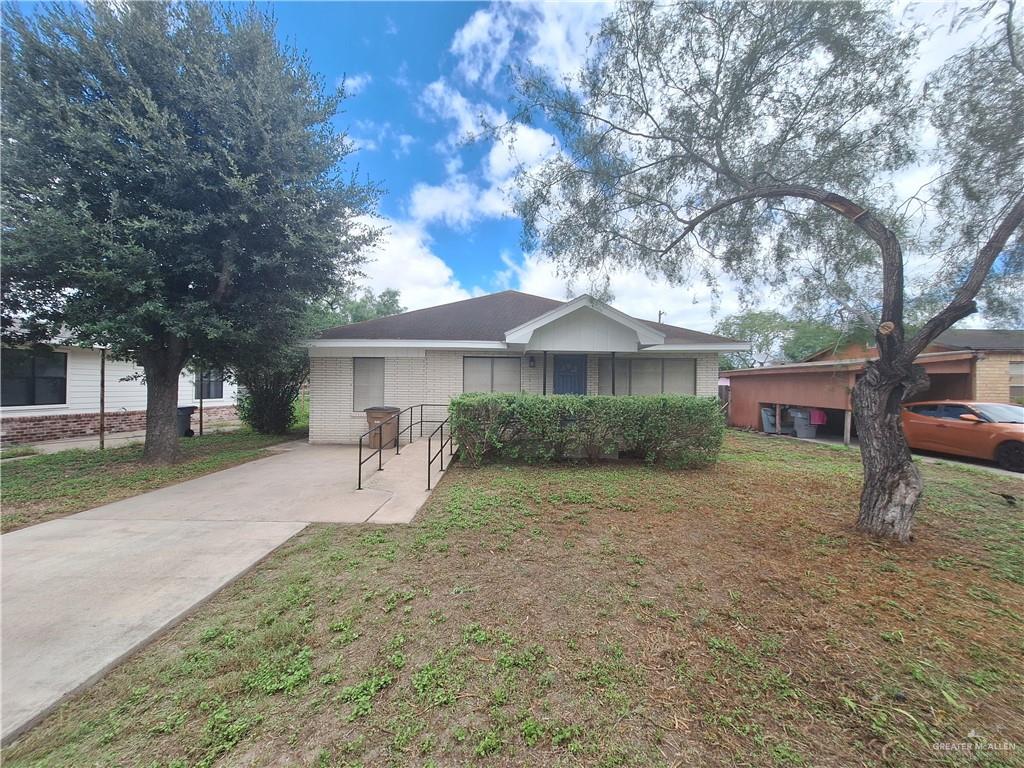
491	374
956	411
1017	381
210	385
34	377
648	376
367	382
926	410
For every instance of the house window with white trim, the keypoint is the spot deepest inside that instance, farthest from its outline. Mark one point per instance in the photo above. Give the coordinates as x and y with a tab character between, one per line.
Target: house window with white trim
491	374
209	385
34	377
1017	381
367	382
648	376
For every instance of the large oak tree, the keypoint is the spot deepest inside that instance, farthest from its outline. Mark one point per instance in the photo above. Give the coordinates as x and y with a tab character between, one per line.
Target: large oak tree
172	187
760	140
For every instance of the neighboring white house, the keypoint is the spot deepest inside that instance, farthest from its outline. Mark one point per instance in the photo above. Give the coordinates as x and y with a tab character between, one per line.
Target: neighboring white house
52	394
503	342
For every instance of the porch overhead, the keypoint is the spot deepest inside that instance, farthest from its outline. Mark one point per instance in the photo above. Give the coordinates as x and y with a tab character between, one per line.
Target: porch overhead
584	325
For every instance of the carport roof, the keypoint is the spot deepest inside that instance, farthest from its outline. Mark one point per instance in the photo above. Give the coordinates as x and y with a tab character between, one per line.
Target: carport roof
846	364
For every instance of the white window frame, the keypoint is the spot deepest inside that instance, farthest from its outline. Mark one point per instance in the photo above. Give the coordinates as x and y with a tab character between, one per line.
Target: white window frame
67	388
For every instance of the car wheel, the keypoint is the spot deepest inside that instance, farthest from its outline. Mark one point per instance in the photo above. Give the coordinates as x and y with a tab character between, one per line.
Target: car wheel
1010	456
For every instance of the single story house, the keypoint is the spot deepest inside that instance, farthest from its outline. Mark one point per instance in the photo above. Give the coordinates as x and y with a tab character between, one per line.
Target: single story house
50	394
503	342
979	365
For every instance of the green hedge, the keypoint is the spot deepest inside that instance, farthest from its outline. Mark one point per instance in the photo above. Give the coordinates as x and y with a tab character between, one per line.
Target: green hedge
674	430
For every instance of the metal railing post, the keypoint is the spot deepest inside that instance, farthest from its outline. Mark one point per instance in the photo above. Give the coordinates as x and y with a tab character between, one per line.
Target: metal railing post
421	420
429	439
359	482
380	447
398	434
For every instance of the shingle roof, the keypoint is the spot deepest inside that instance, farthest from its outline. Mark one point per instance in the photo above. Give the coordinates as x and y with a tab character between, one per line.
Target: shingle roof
484	318
990	339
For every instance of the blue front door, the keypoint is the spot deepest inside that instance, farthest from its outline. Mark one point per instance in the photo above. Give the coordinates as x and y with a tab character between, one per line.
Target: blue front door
570	375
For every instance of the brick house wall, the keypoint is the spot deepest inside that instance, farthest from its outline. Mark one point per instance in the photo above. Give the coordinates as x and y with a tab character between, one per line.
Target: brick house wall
414	376
992	376
38	429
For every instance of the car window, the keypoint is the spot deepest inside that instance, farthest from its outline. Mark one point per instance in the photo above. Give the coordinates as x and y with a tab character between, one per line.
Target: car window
954	411
1001	413
926	410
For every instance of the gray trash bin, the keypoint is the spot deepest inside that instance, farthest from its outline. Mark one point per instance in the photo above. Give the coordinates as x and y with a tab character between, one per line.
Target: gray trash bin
185	420
802	422
768	419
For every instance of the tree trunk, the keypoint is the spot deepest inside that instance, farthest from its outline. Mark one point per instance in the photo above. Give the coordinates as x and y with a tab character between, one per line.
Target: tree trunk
892	484
163	369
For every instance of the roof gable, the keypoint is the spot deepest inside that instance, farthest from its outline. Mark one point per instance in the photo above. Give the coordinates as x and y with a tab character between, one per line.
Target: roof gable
524	333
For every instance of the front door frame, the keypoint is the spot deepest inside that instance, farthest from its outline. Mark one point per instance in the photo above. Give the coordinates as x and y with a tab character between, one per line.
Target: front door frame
581	388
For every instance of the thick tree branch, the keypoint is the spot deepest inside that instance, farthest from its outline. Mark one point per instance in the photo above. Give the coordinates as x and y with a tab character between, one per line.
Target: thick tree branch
963	303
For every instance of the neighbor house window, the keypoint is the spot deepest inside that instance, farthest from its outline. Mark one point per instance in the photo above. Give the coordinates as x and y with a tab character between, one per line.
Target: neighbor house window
367	382
491	374
1017	381
210	385
648	376
34	377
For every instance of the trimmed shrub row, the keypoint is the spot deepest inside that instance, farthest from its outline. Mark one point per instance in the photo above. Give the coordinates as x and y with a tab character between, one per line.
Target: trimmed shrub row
674	430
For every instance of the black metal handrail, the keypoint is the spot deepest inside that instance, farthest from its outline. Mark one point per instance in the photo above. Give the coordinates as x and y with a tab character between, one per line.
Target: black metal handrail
440	448
396	442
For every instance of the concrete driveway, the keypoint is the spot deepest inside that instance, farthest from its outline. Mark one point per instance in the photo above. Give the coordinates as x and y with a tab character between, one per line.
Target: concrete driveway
82	592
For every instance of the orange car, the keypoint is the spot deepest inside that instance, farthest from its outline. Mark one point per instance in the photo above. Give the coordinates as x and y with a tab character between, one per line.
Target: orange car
991	431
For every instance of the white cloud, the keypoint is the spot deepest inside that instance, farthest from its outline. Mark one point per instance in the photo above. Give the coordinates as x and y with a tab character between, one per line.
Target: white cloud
354	84
390	27
404	260
457	202
551	36
446	102
482	45
523	147
405	142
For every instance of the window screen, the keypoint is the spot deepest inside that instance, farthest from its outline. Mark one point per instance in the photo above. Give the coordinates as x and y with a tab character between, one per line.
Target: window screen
491	374
680	376
649	376
34	377
645	377
367	382
210	385
506	374
1016	380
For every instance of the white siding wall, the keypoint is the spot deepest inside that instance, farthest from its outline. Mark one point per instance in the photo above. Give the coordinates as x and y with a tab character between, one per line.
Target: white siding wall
83	388
414	376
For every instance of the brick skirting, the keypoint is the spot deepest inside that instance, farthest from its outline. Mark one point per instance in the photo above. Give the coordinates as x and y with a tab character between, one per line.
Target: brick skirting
38	429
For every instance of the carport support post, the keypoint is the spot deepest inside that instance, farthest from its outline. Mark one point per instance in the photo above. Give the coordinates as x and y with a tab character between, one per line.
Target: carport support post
847	423
103	396
544	375
778	418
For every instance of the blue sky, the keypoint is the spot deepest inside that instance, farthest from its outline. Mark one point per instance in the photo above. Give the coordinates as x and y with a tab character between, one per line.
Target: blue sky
420	75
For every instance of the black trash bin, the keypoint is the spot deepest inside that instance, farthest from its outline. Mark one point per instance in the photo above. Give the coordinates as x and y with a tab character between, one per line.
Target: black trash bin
185	420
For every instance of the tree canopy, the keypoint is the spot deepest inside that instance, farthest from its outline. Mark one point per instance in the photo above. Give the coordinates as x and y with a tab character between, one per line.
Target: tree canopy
762	141
173	184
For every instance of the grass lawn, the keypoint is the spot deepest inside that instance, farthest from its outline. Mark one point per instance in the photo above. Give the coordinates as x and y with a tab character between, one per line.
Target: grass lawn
596	616
40	488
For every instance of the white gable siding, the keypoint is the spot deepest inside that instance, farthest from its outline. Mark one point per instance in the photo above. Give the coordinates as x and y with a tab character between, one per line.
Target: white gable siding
584	331
125	391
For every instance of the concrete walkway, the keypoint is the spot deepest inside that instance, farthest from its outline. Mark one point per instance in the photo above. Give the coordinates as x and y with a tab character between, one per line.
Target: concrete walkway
82	592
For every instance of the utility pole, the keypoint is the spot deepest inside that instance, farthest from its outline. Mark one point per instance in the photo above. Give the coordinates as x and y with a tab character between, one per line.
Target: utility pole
661	314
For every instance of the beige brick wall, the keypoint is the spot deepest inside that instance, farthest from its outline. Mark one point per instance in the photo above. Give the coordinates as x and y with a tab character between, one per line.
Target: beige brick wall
433	377
992	376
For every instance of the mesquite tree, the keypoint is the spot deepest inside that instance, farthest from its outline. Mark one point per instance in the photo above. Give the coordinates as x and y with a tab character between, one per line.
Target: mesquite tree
760	140
171	187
